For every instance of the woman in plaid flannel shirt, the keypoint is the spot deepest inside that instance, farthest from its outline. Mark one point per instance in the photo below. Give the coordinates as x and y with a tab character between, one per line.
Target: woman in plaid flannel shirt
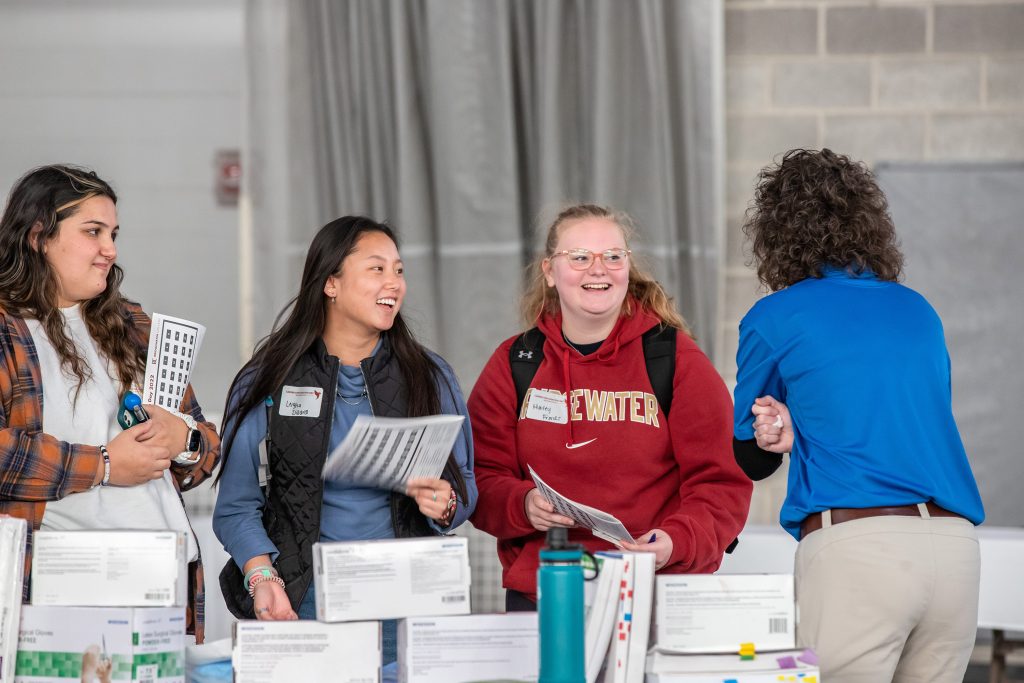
68	334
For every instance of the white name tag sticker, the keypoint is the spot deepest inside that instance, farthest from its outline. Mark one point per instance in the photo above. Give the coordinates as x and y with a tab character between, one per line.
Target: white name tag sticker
547	405
300	401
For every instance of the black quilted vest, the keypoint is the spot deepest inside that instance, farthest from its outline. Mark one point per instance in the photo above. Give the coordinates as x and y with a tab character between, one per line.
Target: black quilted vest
298	449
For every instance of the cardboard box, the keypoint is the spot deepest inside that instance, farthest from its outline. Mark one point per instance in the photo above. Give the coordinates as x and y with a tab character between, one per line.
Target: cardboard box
109	568
792	666
703	613
300	651
13	534
409	577
476	647
139	644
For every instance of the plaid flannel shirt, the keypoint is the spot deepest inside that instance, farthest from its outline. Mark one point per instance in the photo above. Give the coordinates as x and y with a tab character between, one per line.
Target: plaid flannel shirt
36	468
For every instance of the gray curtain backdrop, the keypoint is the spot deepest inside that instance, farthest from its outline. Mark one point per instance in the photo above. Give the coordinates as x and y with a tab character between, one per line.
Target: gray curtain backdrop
468	124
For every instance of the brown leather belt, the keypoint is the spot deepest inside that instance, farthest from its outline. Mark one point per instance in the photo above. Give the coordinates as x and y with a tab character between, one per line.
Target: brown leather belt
839	515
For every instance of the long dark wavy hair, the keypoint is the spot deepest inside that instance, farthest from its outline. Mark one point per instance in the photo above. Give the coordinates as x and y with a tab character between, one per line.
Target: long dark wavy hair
815	209
306	317
29	286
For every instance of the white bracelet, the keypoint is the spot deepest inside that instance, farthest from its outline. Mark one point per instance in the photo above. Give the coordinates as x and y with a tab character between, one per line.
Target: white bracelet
106	466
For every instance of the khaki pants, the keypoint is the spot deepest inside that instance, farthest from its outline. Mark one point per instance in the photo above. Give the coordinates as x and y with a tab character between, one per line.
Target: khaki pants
889	598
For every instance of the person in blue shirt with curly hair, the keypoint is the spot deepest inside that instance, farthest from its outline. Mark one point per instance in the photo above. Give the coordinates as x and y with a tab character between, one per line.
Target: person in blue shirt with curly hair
847	370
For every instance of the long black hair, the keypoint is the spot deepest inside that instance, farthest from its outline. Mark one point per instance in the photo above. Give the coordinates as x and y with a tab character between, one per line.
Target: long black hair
306	313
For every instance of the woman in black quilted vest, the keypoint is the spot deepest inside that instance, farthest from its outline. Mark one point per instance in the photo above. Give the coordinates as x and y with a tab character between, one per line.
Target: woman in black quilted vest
342	351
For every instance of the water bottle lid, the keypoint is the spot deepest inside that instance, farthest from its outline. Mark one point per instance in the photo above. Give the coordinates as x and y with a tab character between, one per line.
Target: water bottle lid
573	554
131	399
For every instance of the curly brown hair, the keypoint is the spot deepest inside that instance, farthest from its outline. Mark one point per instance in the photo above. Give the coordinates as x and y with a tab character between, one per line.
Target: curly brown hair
815	209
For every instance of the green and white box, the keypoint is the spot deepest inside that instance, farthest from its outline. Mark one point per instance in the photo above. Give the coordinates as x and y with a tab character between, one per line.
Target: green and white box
299	651
707	613
109	568
409	577
473	647
135	644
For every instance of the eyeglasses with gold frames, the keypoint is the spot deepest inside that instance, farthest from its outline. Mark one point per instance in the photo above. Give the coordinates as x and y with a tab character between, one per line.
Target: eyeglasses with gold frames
581	259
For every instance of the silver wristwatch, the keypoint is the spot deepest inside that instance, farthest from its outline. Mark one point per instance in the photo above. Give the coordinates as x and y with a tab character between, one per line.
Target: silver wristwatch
193	442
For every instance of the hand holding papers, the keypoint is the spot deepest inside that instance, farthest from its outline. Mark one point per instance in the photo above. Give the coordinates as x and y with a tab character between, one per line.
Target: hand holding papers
173	347
386	452
600	523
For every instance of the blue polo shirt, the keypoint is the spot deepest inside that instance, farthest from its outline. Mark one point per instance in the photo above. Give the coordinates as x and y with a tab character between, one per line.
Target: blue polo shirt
863	368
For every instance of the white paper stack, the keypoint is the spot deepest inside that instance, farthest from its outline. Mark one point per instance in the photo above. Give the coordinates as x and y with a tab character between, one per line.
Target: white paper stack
788	666
478	647
710	613
137	644
13	533
630	636
386	452
109	568
601	600
409	577
299	651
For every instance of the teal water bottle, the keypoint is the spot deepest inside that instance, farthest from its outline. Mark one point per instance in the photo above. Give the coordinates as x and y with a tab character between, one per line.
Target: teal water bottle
560	610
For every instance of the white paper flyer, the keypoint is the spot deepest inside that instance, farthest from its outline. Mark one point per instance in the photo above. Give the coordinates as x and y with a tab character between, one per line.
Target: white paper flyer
173	346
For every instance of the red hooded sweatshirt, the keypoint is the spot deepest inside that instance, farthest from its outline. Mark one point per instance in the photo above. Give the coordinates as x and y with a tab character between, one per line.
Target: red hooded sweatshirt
616	451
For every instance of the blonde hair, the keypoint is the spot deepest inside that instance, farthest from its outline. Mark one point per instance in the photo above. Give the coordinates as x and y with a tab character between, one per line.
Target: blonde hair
539	299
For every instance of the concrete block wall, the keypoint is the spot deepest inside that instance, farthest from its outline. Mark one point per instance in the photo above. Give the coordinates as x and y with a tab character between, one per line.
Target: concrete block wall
878	80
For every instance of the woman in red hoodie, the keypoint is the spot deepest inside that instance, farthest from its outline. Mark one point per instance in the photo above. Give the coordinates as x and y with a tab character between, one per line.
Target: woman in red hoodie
590	424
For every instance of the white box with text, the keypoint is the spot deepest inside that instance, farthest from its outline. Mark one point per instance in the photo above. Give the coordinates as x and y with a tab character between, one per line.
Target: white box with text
409	577
698	613
475	647
294	651
109	568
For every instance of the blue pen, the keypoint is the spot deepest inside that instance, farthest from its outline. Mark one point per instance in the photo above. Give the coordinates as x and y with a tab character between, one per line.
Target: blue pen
653	538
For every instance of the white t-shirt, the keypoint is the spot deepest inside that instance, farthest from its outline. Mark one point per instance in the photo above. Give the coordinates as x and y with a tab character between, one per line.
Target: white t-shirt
92	419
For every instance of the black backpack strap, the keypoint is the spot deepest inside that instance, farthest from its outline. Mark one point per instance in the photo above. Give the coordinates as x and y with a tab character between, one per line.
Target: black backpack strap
525	356
660	357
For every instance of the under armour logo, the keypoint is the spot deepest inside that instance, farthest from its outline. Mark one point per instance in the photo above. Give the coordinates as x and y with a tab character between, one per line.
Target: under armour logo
528	355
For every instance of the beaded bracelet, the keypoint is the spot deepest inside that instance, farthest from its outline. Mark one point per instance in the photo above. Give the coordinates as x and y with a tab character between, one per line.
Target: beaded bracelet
106	466
264	569
449	511
263	578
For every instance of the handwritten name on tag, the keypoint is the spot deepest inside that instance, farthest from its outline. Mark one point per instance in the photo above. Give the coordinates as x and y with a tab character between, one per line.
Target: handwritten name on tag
547	405
300	401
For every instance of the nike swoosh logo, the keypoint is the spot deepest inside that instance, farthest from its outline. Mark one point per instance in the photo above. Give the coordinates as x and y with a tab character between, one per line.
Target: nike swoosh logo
571	446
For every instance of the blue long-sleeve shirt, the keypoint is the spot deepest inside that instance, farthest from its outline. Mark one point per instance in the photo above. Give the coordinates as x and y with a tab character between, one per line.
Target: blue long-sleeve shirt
348	513
862	365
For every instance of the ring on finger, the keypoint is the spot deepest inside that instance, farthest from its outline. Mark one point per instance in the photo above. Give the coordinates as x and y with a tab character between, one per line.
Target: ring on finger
433	496
261	610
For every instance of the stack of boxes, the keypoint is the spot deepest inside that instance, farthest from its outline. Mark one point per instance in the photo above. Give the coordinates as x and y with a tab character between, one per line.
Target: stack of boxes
425	584
106	605
722	628
110	605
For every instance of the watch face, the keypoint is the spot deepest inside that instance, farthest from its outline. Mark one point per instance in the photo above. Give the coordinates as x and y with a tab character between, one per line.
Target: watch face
195	440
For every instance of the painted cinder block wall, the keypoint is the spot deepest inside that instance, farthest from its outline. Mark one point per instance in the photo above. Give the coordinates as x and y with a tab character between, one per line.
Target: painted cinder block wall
911	80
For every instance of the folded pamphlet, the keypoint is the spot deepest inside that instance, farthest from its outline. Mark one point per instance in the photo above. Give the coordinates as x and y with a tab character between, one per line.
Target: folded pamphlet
600	523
